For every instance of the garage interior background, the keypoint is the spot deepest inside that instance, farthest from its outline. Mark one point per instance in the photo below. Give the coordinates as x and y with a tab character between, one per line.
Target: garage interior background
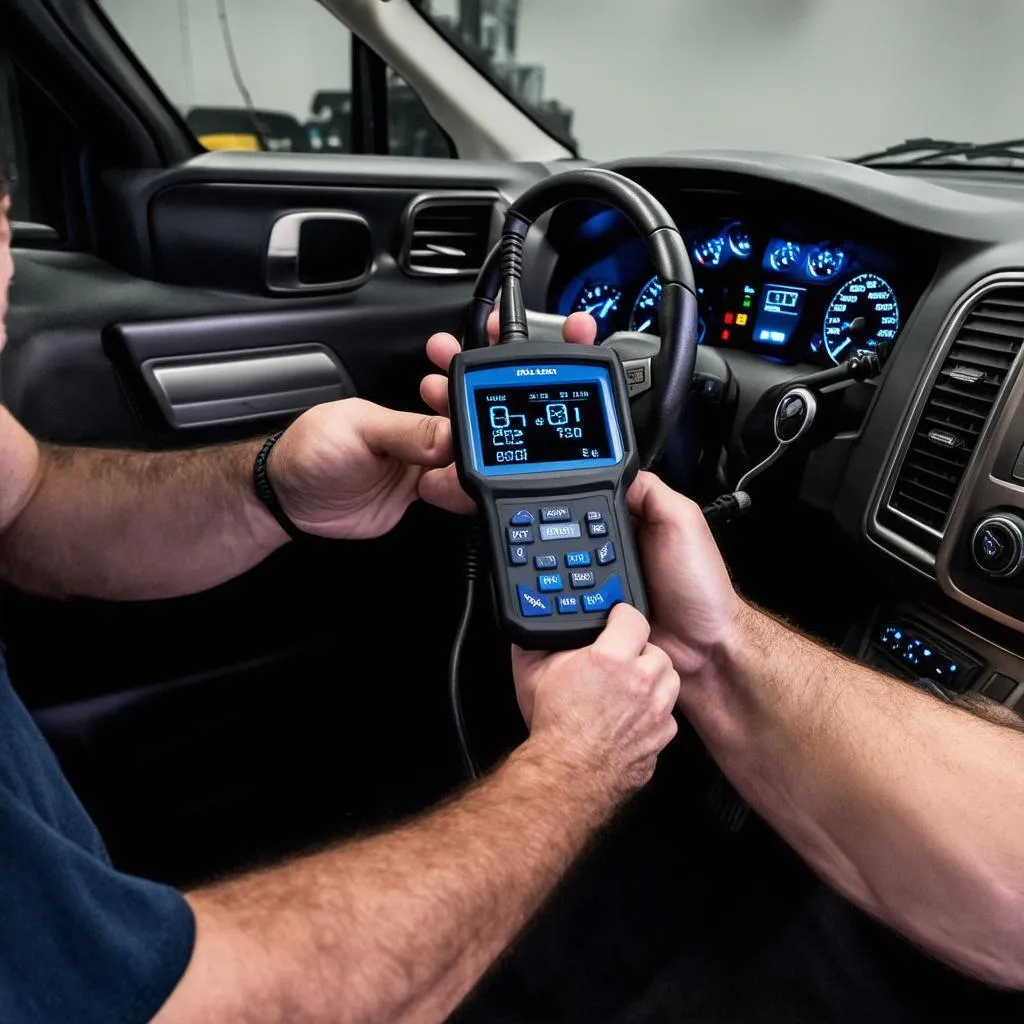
646	76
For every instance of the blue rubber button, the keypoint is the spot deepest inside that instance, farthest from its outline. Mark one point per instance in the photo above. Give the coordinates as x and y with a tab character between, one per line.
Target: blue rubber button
581	579
556	514
568	604
545	561
606	553
559	531
524	517
604	598
517	555
532	604
549	581
520	535
577	559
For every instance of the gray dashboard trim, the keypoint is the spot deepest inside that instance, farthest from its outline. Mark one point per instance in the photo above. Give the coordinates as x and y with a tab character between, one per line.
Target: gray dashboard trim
894	543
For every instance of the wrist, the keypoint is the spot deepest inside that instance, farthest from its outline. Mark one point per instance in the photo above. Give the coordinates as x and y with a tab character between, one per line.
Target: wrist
267	532
582	785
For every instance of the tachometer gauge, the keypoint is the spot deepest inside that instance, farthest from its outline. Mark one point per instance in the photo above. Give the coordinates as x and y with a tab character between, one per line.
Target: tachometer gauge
863	314
645	310
709	253
784	256
739	241
600	300
825	262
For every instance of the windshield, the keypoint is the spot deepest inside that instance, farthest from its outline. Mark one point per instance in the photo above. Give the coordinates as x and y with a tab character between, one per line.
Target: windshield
826	77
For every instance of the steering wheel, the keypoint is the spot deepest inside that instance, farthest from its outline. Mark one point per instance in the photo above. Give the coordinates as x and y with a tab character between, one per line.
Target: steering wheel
659	370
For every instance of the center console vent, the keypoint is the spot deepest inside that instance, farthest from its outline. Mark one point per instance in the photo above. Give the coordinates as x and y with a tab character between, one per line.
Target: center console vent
957	409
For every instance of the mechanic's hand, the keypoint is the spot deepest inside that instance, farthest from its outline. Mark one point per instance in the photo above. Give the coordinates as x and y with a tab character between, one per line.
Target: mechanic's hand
692	599
350	469
607	707
441	487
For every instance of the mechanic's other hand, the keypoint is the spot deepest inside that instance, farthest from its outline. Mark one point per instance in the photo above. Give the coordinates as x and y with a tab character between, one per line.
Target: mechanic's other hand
692	598
441	487
350	469
606	708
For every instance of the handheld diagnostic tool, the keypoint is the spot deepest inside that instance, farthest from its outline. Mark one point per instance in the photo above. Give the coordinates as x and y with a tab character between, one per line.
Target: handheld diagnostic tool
544	444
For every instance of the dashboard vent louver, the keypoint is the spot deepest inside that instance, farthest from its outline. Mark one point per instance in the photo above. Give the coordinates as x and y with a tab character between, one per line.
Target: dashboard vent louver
958	407
448	236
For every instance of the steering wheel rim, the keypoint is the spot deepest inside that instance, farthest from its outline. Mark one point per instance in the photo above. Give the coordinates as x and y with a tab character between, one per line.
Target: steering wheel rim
657	409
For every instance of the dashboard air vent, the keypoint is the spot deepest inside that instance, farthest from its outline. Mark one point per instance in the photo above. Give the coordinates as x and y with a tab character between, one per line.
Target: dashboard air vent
961	400
448	235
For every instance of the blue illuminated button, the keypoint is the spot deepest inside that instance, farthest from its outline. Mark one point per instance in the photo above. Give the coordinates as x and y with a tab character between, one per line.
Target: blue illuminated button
533	604
556	514
568	604
606	553
601	600
598	529
549	582
524	517
559	531
545	561
577	559
517	555
579	580
594	517
520	535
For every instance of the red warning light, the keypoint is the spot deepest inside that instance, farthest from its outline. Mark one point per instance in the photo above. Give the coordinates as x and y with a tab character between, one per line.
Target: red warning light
729	317
725	335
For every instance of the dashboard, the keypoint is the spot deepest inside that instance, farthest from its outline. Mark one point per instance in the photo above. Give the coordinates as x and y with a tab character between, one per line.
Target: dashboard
785	287
799	262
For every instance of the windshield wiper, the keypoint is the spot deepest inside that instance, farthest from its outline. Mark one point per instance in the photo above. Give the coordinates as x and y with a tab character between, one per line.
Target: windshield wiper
932	151
925	148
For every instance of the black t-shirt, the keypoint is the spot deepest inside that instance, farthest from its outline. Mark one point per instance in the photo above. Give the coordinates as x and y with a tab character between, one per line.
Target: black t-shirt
79	941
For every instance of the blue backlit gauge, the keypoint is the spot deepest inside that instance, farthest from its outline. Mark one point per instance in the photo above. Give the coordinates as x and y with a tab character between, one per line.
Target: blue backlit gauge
864	313
600	300
785	256
709	253
825	262
645	310
702	329
740	242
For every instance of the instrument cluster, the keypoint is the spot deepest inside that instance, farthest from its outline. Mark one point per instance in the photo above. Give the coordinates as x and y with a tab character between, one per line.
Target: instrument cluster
783	289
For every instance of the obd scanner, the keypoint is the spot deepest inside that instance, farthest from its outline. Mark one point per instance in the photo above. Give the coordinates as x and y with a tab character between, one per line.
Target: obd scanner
544	444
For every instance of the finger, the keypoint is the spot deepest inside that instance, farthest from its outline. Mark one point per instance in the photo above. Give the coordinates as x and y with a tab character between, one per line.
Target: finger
625	634
493	327
434	391
408	436
442	349
441	487
580	329
653	501
524	662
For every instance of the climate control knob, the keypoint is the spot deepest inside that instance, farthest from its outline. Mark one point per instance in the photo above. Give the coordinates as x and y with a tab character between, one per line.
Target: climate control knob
997	545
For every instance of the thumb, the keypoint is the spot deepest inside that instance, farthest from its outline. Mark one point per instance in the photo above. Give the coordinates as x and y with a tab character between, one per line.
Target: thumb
407	436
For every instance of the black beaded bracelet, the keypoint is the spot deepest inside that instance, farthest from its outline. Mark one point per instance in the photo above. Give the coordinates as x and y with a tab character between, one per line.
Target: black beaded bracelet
265	489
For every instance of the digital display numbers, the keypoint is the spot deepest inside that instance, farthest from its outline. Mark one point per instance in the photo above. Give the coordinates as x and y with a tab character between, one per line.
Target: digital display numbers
529	425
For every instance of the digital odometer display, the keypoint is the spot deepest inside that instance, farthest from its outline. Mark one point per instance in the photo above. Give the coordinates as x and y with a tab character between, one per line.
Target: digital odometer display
531	425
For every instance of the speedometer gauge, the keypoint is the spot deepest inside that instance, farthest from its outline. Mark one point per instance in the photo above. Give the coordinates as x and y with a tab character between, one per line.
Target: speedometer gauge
645	310
863	314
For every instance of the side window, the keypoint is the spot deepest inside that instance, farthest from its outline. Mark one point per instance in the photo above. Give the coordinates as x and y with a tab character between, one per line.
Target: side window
30	213
279	81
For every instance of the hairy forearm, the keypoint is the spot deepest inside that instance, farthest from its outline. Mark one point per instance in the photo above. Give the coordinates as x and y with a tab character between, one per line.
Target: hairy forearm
398	926
127	525
912	808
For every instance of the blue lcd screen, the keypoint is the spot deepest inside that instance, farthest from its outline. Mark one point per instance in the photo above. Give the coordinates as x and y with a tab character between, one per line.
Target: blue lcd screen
550	418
